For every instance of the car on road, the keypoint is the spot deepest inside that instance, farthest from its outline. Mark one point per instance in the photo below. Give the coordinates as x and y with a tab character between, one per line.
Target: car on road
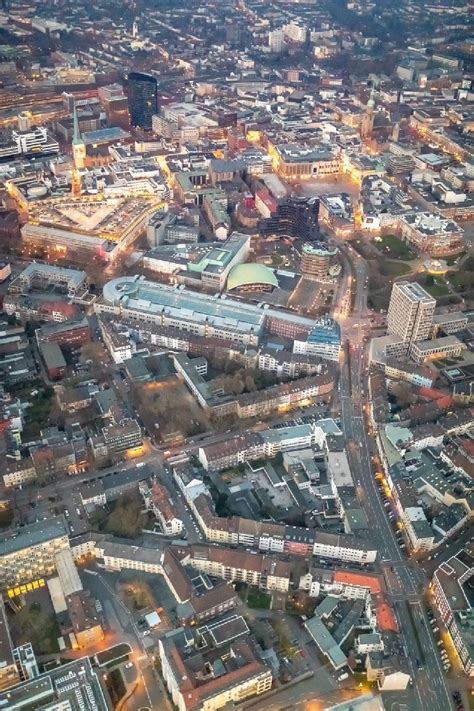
128	665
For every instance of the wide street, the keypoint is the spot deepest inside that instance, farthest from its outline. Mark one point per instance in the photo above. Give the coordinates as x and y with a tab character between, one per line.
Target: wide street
405	579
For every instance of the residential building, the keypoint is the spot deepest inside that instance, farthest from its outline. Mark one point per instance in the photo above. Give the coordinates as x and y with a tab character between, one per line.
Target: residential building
419	532
84	618
198	598
29	553
42	276
120	556
209	667
157	499
262	571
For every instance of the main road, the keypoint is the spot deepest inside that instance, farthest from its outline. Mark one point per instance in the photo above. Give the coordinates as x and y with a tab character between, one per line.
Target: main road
405	581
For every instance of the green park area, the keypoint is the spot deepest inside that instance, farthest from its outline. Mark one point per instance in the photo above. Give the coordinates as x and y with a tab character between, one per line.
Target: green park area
125	519
36	623
258	600
463	280
391	268
253	597
393	247
436	286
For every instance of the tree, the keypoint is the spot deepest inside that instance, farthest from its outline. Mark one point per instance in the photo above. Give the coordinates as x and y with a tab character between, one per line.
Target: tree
249	383
403	393
237	384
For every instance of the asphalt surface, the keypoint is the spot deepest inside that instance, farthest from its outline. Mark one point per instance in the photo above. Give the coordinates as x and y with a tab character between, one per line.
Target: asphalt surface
405	579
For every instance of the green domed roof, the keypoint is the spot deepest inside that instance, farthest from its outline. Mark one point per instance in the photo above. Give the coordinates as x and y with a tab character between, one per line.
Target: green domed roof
245	274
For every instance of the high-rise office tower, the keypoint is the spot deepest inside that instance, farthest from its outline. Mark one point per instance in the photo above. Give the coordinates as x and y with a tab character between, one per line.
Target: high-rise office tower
410	313
142	99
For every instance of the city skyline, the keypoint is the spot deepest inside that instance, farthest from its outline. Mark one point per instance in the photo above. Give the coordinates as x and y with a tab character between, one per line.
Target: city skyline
236	355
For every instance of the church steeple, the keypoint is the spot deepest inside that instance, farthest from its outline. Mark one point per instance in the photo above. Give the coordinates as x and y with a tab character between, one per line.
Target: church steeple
367	119
78	145
371	101
77	138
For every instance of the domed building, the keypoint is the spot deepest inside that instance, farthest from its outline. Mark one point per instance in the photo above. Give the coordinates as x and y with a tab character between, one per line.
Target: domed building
251	277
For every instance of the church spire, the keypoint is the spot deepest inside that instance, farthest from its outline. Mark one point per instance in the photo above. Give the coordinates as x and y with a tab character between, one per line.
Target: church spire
77	138
78	145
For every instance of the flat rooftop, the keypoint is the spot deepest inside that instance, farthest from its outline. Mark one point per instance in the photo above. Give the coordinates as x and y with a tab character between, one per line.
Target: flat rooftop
150	297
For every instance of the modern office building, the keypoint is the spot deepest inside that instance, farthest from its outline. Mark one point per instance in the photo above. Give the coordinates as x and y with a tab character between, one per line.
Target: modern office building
293	216
126	435
316	258
324	340
34	141
73	686
205	265
200	314
452	592
410	313
142	99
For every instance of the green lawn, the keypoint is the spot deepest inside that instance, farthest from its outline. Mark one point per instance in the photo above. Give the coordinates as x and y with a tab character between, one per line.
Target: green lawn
258	599
462	280
394	247
395	269
39	626
454	258
380	301
437	288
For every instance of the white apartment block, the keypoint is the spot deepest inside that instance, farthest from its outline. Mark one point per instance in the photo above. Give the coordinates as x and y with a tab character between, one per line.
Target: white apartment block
410	312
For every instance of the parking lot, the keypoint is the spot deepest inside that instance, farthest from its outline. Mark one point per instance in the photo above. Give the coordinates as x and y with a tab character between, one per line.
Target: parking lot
312	297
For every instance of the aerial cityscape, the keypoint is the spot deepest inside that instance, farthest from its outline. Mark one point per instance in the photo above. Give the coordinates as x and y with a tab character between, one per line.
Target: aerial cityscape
237	355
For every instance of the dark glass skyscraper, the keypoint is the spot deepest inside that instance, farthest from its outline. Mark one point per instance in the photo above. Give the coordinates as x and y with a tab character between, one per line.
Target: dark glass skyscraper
142	99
